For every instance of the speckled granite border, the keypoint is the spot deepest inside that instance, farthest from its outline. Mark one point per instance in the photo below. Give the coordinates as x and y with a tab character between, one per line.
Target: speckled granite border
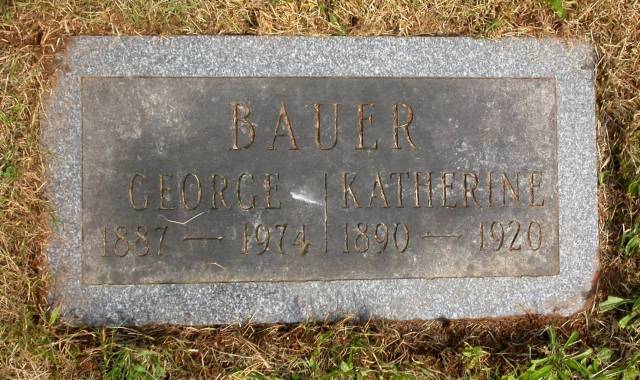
570	63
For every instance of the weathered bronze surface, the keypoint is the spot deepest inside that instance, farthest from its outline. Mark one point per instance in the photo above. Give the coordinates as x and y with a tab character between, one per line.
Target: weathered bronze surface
190	180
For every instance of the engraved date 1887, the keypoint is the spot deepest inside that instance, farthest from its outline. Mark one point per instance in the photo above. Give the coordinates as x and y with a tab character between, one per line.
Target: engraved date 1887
141	240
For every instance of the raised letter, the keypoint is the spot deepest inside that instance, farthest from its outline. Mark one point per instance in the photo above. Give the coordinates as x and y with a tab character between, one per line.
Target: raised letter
399	189
377	184
335	126
146	196
490	188
515	193
245	122
268	187
447	185
404	126
471	191
215	193
183	191
164	190
239	192
361	119
427	184
346	189
289	132
532	186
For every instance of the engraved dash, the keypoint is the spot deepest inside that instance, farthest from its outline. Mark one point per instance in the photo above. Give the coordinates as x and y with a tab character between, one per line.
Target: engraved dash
442	236
188	237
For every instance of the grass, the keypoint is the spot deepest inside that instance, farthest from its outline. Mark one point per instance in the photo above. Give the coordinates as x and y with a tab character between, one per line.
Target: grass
602	342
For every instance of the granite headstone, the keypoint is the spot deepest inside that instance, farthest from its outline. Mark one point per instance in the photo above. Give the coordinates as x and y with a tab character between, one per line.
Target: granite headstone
205	180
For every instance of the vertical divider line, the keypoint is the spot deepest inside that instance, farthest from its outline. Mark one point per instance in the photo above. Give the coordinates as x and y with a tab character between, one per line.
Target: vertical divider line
326	213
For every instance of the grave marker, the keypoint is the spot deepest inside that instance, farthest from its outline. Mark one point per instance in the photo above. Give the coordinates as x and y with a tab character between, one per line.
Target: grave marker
203	180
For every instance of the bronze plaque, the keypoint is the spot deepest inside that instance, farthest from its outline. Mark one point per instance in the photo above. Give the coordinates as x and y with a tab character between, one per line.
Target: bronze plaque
193	180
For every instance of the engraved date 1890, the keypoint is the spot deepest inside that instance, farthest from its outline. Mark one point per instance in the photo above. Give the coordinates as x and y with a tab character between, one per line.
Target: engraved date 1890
363	236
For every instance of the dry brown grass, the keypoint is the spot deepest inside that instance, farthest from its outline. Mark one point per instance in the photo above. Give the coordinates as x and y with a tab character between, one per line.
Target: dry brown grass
30	32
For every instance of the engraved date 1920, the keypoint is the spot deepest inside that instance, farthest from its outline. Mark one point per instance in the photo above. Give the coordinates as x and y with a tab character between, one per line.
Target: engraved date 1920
511	235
